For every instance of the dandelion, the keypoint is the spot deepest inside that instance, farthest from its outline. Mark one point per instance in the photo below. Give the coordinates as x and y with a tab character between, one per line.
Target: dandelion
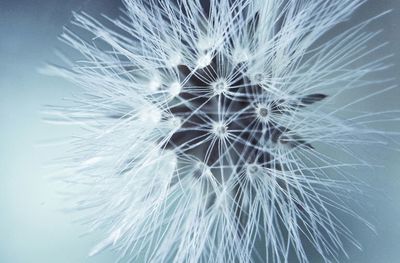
204	124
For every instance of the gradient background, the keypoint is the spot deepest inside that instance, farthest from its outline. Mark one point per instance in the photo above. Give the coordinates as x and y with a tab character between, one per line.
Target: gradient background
32	226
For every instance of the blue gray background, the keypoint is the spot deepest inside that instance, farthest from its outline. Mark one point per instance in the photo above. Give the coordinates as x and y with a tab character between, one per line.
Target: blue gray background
32	226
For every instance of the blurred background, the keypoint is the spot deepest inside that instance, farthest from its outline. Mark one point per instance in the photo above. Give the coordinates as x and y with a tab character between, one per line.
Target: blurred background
33	227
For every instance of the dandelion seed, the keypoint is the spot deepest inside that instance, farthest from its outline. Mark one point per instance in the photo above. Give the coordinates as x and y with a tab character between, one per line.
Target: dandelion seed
210	115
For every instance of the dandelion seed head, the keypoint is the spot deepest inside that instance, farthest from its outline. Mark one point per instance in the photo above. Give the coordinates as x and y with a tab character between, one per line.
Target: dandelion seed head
210	116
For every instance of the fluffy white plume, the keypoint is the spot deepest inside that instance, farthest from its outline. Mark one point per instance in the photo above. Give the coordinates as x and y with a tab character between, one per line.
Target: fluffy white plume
204	125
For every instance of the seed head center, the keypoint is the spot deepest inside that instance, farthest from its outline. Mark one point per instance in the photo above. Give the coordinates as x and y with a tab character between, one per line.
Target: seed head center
220	87
263	112
220	129
253	169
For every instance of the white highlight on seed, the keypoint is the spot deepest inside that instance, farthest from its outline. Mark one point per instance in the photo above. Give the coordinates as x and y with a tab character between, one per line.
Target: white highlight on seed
240	55
174	89
175	122
154	84
92	161
150	114
205	43
171	159
204	60
175	60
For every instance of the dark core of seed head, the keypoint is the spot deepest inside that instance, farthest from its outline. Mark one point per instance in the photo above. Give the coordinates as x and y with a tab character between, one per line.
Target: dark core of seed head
251	136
